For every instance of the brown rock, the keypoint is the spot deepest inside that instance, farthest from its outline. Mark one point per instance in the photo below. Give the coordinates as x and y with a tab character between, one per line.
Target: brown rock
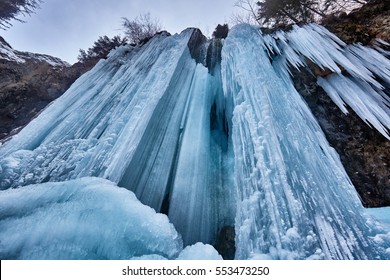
27	88
363	25
364	152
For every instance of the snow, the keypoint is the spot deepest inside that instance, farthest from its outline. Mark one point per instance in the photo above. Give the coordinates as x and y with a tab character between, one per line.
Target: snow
87	218
53	61
7	53
199	251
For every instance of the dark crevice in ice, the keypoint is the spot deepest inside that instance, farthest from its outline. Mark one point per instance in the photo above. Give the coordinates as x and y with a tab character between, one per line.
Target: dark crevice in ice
221	155
169	188
226	245
214	56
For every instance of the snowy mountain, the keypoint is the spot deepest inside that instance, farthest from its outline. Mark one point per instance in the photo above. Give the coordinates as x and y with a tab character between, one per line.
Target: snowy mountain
8	53
29	82
152	152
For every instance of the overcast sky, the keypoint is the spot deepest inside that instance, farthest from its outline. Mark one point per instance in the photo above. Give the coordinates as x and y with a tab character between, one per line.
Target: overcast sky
61	27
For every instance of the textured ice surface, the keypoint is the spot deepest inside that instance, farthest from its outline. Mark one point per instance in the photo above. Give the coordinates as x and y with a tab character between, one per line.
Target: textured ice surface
120	121
87	218
381	214
367	70
191	183
295	200
96	127
199	251
141	119
230	145
198	183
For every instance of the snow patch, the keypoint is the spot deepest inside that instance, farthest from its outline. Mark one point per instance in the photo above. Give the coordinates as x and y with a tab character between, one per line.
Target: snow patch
7	53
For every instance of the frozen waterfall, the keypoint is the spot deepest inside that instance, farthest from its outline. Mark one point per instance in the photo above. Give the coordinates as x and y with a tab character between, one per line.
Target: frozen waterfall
211	134
292	189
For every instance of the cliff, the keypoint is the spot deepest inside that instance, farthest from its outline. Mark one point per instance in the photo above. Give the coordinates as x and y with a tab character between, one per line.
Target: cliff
364	152
363	25
29	82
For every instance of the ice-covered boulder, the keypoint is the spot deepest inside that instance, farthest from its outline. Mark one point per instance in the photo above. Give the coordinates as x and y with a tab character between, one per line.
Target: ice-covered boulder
199	251
87	218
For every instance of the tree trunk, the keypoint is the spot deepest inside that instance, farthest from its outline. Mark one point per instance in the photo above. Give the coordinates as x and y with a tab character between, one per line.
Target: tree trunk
290	16
313	10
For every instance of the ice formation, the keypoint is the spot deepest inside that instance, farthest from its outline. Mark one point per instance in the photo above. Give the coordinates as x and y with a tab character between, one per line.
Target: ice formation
137	119
87	218
360	73
382	214
292	189
199	251
226	143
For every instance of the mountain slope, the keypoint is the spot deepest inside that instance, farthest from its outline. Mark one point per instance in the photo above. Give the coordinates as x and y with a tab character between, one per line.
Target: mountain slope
28	82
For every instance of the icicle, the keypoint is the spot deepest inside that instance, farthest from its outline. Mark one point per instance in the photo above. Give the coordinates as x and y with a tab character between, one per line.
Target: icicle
369	68
368	104
295	200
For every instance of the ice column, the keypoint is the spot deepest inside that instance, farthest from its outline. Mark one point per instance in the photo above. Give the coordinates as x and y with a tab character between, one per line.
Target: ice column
193	195
97	127
295	200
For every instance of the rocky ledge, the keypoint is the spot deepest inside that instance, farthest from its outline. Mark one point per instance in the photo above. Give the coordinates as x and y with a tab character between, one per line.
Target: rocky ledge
29	82
364	152
363	25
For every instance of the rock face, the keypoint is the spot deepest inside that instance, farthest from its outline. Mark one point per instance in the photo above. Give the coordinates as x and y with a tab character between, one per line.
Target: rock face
226	243
364	152
29	82
363	25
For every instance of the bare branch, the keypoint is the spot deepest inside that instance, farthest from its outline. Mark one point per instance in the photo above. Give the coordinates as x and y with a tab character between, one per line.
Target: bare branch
140	28
249	14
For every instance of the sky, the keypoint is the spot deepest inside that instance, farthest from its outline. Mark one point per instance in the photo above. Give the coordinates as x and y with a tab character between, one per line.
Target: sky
61	27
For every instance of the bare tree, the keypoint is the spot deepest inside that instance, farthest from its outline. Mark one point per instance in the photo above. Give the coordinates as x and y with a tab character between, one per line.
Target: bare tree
248	13
335	6
271	12
140	28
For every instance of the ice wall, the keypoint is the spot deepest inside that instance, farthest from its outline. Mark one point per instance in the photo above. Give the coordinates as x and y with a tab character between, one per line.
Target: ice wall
87	218
202	184
295	200
230	144
140	119
95	128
